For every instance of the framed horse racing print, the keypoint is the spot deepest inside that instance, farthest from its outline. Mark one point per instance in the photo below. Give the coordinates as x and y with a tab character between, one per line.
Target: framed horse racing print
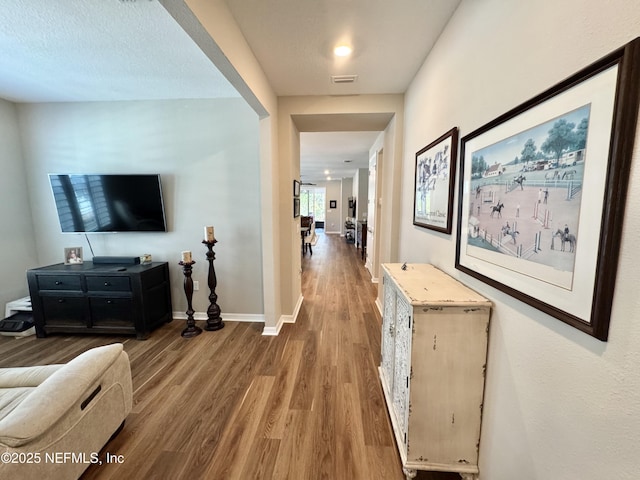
435	172
542	193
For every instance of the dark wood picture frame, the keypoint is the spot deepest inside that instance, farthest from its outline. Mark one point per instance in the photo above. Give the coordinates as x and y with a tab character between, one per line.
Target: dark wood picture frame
296	188
586	304
333	204
296	207
434	179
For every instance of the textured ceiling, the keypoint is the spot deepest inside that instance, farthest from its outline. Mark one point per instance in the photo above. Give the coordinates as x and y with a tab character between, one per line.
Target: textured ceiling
100	50
108	50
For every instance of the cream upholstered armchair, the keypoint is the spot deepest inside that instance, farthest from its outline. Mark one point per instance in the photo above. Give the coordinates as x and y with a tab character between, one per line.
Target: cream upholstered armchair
54	419
310	238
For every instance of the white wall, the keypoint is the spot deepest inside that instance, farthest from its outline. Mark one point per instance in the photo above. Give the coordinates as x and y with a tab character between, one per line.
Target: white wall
333	216
207	20
361	192
207	154
17	239
559	404
346	191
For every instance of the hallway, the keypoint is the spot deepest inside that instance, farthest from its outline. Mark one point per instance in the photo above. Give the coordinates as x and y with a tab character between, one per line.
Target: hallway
339	317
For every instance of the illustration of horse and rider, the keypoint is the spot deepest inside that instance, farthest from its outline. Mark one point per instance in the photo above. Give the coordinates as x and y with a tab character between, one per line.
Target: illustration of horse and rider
520	181
565	237
507	230
497	208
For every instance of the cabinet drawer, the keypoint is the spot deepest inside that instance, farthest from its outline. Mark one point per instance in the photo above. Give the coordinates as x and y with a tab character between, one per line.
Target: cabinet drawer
108	284
59	310
59	282
114	312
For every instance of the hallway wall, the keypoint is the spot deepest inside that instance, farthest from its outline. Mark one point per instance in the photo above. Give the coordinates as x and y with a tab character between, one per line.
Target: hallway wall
559	405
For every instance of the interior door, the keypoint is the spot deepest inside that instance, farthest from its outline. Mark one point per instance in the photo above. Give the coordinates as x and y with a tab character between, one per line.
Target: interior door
371	211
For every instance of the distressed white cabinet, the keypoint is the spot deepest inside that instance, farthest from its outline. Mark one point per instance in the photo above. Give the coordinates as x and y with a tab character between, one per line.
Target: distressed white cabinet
434	350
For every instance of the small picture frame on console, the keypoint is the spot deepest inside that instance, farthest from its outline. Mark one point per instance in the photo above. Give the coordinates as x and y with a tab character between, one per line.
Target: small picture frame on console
72	255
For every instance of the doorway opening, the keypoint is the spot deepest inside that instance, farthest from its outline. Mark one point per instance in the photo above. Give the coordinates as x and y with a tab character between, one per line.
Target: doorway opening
313	203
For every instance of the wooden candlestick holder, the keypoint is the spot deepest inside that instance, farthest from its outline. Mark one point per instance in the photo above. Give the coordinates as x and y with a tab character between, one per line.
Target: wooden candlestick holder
191	330
214	322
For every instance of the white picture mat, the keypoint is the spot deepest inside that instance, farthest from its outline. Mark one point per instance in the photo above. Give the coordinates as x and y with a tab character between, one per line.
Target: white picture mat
436	201
576	296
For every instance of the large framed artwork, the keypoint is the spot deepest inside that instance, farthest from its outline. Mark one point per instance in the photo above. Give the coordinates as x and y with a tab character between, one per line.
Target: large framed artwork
542	193
435	172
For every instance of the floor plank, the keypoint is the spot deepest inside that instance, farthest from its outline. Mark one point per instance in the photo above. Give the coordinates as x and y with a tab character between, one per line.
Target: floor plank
234	404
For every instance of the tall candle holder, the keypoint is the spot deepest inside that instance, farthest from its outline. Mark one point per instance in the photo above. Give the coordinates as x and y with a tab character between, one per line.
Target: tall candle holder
191	330
214	322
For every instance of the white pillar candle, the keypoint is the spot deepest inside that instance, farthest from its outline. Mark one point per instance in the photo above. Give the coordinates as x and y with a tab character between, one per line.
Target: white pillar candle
186	256
208	233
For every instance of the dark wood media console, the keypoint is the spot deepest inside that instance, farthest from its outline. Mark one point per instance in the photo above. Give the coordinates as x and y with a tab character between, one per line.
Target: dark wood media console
105	298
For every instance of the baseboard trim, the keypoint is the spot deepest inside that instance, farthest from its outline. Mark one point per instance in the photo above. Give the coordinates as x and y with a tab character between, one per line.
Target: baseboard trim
379	305
227	317
274	331
248	317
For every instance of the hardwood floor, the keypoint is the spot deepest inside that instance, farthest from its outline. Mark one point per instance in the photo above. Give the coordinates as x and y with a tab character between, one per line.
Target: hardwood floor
235	404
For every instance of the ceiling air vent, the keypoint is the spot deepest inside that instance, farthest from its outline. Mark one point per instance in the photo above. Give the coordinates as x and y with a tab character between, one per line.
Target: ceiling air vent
343	78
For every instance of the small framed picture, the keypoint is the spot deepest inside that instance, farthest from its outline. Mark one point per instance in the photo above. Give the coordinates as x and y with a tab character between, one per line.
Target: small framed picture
435	171
296	188
333	203
296	207
72	255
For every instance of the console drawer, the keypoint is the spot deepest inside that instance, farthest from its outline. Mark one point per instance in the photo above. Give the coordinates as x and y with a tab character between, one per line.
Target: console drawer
59	282
108	284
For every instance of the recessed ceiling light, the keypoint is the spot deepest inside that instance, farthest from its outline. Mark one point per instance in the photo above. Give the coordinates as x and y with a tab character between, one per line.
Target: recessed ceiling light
326	172
342	51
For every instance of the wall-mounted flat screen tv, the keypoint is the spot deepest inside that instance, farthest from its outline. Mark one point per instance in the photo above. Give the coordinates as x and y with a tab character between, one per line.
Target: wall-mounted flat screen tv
108	203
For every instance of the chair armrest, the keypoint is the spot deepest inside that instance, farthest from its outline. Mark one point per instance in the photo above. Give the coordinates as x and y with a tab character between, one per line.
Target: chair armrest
17	377
65	389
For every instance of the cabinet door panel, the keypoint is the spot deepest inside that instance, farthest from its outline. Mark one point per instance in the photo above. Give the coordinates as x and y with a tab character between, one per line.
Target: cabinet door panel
112	312
402	363
388	333
62	310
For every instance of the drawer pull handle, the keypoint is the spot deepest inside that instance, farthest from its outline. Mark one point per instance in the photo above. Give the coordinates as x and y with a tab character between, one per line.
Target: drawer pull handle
58	282
61	300
107	284
109	302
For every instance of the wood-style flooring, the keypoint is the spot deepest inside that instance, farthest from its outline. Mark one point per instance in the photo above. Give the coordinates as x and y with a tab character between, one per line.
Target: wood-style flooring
235	404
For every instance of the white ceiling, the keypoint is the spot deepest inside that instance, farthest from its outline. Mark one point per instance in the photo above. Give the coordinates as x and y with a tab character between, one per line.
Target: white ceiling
294	39
334	155
107	50
100	50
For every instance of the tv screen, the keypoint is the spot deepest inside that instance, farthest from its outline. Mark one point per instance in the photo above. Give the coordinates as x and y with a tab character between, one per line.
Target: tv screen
108	203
